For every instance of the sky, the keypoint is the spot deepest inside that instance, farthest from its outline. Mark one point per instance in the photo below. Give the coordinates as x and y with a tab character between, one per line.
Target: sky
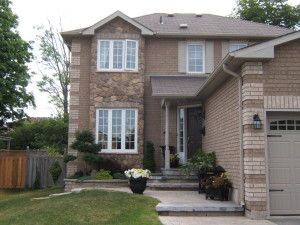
76	14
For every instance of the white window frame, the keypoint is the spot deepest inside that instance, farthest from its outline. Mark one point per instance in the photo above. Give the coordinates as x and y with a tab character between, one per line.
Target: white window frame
203	57
123	130
239	46
111	55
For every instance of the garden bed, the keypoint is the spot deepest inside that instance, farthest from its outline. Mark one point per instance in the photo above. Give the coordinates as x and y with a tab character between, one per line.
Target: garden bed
94	184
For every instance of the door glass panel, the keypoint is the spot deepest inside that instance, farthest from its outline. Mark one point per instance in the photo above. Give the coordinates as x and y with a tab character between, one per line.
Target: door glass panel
181	130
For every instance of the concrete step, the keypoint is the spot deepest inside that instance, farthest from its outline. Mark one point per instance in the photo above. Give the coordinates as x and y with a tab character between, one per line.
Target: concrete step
174	186
173	179
203	208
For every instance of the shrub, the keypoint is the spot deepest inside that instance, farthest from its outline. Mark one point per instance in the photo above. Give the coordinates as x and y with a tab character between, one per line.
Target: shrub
85	143
149	162
103	175
119	176
55	170
68	158
111	165
37	182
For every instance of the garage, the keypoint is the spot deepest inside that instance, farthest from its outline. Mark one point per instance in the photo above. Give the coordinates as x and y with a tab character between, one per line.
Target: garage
284	163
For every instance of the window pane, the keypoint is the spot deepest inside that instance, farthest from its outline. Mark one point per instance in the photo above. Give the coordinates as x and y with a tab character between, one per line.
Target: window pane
131	55
104	54
130	129
273	127
116	129
103	128
195	58
118	55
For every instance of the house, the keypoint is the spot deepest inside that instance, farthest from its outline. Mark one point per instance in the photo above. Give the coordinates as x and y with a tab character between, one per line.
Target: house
194	81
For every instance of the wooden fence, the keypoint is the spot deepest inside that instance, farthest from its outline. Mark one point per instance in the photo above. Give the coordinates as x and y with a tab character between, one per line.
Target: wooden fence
12	169
20	169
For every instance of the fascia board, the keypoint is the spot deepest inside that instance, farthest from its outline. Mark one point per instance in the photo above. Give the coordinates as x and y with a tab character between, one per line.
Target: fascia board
91	30
265	53
265	49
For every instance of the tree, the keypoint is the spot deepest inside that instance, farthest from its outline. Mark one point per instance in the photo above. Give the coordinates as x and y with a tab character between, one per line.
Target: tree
55	58
272	12
45	134
14	76
85	143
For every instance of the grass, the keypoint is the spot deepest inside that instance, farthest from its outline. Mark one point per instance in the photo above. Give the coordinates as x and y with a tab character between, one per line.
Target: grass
88	207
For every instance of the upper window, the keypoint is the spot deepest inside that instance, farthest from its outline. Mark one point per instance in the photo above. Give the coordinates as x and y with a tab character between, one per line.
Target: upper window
117	130
117	55
234	47
195	58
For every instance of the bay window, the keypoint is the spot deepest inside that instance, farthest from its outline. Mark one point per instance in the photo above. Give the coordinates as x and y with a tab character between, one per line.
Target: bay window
117	130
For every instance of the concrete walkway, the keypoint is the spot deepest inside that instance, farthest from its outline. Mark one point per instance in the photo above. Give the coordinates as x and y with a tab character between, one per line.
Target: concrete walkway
192	197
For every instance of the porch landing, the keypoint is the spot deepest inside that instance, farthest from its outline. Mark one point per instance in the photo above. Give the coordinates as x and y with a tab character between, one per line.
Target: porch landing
185	203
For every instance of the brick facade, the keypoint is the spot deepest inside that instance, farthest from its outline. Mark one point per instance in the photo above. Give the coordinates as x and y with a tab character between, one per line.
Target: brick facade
222	129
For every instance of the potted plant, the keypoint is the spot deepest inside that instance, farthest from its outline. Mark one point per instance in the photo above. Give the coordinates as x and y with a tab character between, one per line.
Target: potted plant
137	179
217	187
200	163
174	161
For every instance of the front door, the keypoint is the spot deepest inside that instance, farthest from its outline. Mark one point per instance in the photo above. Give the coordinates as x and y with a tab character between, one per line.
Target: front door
194	136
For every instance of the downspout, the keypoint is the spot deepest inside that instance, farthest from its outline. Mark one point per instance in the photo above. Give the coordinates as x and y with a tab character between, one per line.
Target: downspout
230	72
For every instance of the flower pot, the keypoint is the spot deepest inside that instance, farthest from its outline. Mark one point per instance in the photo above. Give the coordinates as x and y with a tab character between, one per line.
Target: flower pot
138	185
219	193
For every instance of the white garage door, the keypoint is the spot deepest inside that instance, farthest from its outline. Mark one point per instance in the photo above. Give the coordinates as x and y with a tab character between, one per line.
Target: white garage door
284	165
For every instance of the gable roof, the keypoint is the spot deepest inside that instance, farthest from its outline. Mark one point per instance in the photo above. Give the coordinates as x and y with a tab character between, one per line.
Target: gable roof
208	25
204	25
91	30
233	60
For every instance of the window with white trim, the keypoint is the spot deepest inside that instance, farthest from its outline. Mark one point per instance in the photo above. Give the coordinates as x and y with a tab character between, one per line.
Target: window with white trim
117	130
117	55
195	58
234	47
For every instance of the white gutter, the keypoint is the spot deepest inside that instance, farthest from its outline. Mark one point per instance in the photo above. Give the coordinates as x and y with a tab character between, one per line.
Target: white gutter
234	74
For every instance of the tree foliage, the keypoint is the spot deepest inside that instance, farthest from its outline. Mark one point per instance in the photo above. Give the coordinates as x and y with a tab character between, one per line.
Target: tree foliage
85	143
47	134
272	12
55	60
14	76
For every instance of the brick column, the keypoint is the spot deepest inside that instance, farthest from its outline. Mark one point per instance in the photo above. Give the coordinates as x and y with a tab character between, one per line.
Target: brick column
253	141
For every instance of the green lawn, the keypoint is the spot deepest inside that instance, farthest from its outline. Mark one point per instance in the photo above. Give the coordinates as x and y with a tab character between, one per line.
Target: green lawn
88	207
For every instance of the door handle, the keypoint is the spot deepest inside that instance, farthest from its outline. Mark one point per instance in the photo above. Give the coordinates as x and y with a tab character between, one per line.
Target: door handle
273	190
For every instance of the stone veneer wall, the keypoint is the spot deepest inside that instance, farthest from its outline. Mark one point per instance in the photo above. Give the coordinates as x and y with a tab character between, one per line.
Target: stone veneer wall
118	89
269	85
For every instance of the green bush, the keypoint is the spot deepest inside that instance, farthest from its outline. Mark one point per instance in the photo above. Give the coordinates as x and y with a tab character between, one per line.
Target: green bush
55	170
103	175
37	182
149	161
119	176
40	134
85	143
68	158
111	165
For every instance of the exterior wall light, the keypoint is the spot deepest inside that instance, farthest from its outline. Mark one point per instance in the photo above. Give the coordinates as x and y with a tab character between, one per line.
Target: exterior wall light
256	122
